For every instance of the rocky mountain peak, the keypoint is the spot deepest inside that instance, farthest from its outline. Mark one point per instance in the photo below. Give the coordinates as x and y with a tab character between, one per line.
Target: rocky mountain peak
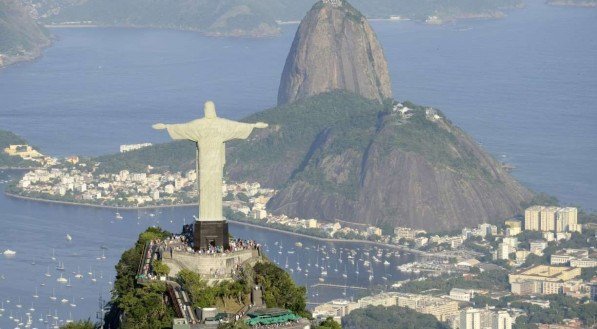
334	48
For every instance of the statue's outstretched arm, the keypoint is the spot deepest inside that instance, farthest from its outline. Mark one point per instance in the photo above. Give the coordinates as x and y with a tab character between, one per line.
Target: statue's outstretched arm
179	131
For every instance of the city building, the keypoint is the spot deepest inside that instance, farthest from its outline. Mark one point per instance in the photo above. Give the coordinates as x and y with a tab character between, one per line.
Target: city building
501	320
463	295
470	318
574	258
513	227
132	147
532	217
24	151
551	219
547	219
537	246
407	233
542	279
441	308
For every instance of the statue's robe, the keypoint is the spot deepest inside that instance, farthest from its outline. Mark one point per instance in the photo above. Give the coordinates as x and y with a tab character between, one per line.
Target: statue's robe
210	134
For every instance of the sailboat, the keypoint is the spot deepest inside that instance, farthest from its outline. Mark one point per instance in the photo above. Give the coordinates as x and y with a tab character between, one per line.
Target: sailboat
68	283
53	297
61	279
344	275
72	302
78	275
118	216
53	255
2	307
48	272
18	305
35	295
60	266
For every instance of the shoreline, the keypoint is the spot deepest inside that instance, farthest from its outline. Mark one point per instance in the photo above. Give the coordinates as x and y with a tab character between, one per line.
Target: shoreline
333	240
78	204
242	34
327	240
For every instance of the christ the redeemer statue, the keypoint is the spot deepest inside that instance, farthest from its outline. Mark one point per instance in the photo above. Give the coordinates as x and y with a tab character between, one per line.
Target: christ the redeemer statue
210	134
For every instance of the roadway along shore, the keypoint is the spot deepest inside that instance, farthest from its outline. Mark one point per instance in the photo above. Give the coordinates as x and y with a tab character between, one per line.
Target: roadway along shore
373	243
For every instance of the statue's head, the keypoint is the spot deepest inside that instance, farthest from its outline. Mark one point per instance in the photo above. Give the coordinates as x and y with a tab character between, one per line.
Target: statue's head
210	110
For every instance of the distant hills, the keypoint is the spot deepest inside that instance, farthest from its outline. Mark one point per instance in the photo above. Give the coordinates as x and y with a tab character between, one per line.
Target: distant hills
245	17
574	3
21	38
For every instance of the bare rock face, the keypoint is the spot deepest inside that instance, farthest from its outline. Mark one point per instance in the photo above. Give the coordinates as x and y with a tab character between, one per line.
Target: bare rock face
334	49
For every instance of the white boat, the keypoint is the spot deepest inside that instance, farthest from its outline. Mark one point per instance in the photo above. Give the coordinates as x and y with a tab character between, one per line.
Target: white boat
53	255
118	216
9	252
386	263
69	238
298	244
64	301
78	275
53	297
35	295
61	279
48	273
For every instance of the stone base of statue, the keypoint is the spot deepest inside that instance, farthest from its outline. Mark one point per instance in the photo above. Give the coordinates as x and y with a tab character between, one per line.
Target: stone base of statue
208	234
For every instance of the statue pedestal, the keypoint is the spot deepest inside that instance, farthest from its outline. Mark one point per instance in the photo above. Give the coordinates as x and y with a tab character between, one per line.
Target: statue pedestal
211	233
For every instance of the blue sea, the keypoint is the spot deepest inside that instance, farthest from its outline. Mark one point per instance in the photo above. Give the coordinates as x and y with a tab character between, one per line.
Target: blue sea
524	86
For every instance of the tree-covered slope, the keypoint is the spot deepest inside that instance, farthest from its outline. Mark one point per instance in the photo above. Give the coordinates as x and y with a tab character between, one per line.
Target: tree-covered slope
338	155
380	317
20	36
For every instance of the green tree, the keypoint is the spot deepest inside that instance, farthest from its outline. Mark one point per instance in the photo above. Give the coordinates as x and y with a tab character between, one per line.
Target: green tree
87	324
380	317
141	307
329	323
200	293
160	269
280	290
